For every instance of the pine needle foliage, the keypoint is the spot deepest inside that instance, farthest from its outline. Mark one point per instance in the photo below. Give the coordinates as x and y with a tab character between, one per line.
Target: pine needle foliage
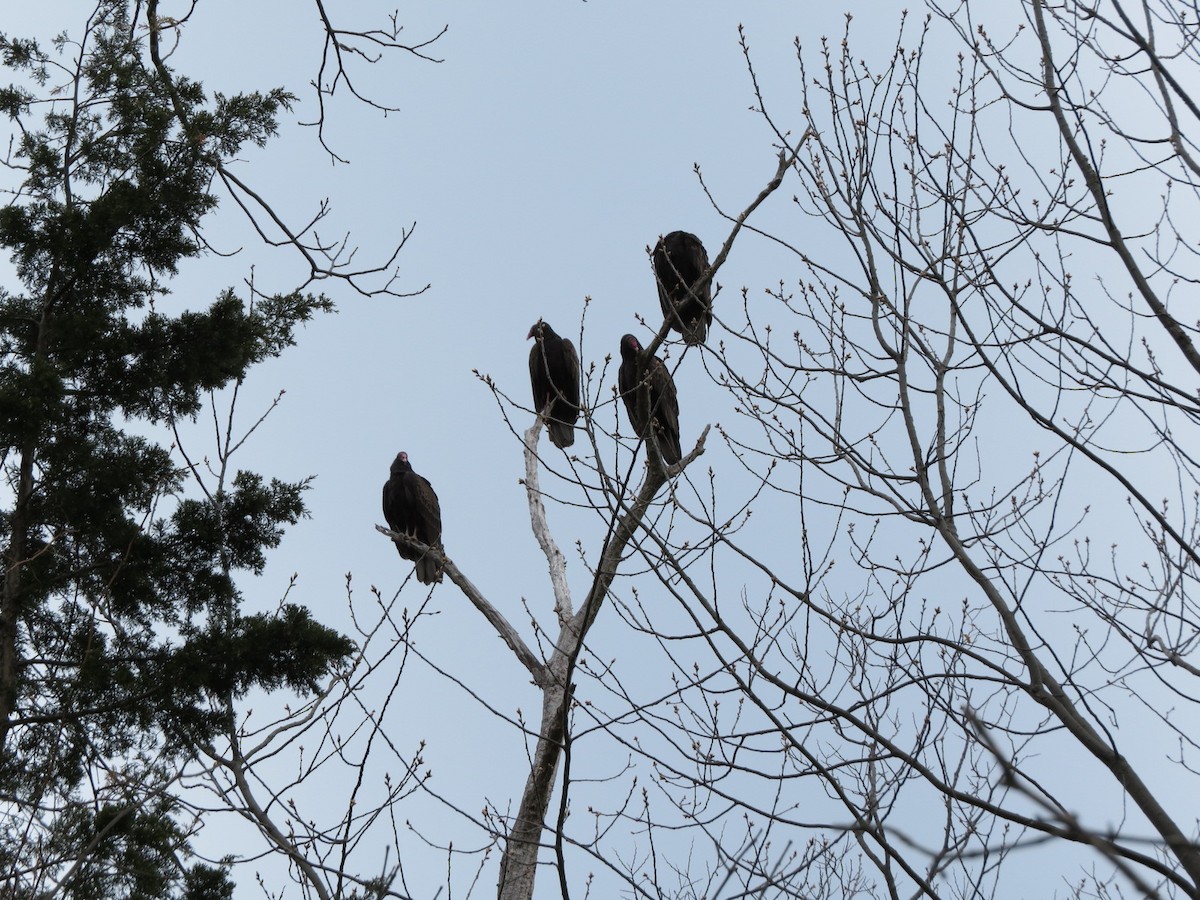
122	636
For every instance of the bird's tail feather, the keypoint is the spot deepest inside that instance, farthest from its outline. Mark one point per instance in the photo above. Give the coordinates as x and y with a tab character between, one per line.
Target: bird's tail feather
561	434
671	451
428	571
695	333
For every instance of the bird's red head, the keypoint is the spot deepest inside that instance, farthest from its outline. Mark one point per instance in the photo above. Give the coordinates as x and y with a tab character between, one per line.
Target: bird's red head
400	464
630	343
536	330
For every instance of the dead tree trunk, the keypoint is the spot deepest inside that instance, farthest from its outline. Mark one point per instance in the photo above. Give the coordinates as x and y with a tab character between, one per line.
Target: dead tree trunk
518	866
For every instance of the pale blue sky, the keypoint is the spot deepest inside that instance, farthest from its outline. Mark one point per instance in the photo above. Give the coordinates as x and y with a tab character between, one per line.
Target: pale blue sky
554	143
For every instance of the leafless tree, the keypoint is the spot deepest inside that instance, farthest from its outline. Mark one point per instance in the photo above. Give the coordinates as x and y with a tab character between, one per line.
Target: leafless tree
326	258
915	618
113	158
933	668
925	625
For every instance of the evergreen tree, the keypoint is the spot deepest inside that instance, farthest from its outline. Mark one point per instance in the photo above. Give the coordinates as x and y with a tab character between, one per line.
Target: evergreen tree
122	640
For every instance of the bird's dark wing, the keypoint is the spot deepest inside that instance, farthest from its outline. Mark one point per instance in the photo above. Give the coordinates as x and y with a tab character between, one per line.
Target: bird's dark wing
396	512
387	504
698	264
679	261
539	380
393	505
627	385
570	378
663	395
666	278
665	403
697	258
427	511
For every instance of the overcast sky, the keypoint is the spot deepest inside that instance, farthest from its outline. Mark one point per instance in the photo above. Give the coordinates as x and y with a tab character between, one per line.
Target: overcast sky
553	142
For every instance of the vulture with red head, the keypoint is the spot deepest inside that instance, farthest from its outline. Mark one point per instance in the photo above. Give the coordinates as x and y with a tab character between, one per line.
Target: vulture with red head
411	507
679	264
554	374
658	405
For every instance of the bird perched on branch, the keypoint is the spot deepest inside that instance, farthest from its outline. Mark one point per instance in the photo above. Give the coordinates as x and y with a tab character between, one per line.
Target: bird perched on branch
680	262
655	405
554	374
411	507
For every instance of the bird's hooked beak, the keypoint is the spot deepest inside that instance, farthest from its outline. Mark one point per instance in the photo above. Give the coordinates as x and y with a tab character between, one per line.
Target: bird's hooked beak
534	330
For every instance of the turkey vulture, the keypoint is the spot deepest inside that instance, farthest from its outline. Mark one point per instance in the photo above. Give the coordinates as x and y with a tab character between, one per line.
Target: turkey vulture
554	373
679	262
661	404
411	507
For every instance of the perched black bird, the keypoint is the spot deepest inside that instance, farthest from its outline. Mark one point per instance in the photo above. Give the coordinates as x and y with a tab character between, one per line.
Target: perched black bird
679	262
659	405
554	374
411	507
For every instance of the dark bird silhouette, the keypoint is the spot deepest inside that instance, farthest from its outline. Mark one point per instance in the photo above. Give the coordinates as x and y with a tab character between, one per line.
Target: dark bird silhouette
658	405
554	374
411	507
679	262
